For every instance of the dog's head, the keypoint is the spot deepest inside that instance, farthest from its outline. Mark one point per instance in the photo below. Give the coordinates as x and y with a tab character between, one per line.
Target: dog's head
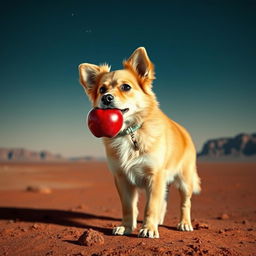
129	89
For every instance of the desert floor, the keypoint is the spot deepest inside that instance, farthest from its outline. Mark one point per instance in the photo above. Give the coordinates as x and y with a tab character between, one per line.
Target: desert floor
73	197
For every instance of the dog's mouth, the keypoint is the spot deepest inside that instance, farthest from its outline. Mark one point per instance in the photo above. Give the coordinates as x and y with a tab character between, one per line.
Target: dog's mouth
125	110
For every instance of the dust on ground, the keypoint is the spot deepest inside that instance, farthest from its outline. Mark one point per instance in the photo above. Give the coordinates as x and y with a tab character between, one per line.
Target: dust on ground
81	197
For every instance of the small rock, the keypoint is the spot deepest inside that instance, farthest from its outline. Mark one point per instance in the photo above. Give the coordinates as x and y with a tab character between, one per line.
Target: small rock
141	244
39	189
35	226
201	226
249	229
245	222
224	216
59	236
91	237
158	250
197	240
81	206
195	248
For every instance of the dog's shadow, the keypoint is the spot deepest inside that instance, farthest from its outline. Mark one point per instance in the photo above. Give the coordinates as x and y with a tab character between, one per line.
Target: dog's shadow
60	217
52	216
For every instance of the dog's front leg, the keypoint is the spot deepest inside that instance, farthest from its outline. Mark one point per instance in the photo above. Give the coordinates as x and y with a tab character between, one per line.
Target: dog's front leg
129	197
155	192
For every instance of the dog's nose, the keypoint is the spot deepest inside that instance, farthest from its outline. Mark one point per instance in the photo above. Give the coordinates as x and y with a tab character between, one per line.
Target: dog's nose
107	99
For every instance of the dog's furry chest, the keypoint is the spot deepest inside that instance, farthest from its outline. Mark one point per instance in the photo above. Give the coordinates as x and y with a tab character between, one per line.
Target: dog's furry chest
130	162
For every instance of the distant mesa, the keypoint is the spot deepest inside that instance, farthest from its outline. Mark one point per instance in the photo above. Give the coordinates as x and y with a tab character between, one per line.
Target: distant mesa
242	146
22	154
84	158
25	155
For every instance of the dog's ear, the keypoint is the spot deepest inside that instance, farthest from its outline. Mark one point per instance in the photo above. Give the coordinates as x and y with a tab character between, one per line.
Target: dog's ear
140	63
89	74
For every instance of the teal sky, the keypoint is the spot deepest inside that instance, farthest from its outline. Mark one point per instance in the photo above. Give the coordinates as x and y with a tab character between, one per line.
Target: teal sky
204	53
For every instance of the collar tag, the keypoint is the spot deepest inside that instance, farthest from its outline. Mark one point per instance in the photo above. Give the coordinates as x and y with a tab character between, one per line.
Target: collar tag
135	143
130	131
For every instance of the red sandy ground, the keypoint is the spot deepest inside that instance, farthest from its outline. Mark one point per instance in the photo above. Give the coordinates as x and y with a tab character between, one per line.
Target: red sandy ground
83	196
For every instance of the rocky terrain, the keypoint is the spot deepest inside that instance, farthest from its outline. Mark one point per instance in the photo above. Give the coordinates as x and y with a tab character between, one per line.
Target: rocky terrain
70	209
241	146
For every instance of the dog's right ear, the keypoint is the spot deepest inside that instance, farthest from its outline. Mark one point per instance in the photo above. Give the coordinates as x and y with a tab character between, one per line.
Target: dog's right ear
89	74
140	64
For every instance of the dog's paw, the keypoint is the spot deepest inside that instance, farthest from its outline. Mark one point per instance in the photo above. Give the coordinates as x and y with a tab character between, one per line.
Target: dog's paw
122	230
184	226
149	231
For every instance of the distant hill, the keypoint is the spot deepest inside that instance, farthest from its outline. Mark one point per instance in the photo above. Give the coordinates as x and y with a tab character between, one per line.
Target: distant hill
26	155
22	154
242	146
86	158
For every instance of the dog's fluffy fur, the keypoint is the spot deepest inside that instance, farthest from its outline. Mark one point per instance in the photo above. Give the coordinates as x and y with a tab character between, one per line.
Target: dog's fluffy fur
166	152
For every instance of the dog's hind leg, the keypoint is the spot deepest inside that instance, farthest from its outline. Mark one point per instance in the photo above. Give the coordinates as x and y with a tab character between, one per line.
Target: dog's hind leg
185	183
185	208
129	197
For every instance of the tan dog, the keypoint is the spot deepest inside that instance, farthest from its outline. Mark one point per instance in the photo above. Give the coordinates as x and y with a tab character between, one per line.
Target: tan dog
150	152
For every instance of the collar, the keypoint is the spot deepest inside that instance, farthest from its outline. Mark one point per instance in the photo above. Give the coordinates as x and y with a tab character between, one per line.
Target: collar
130	131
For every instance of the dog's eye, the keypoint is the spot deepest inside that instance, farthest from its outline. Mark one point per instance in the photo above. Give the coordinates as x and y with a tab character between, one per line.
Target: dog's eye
103	89
126	87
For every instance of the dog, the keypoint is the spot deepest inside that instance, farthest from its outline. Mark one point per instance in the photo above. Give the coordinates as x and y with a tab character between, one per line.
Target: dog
151	150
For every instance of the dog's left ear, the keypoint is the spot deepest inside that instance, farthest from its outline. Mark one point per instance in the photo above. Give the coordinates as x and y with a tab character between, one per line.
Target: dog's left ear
140	63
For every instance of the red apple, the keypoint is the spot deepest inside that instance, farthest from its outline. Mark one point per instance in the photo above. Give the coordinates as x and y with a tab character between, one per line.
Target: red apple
105	122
